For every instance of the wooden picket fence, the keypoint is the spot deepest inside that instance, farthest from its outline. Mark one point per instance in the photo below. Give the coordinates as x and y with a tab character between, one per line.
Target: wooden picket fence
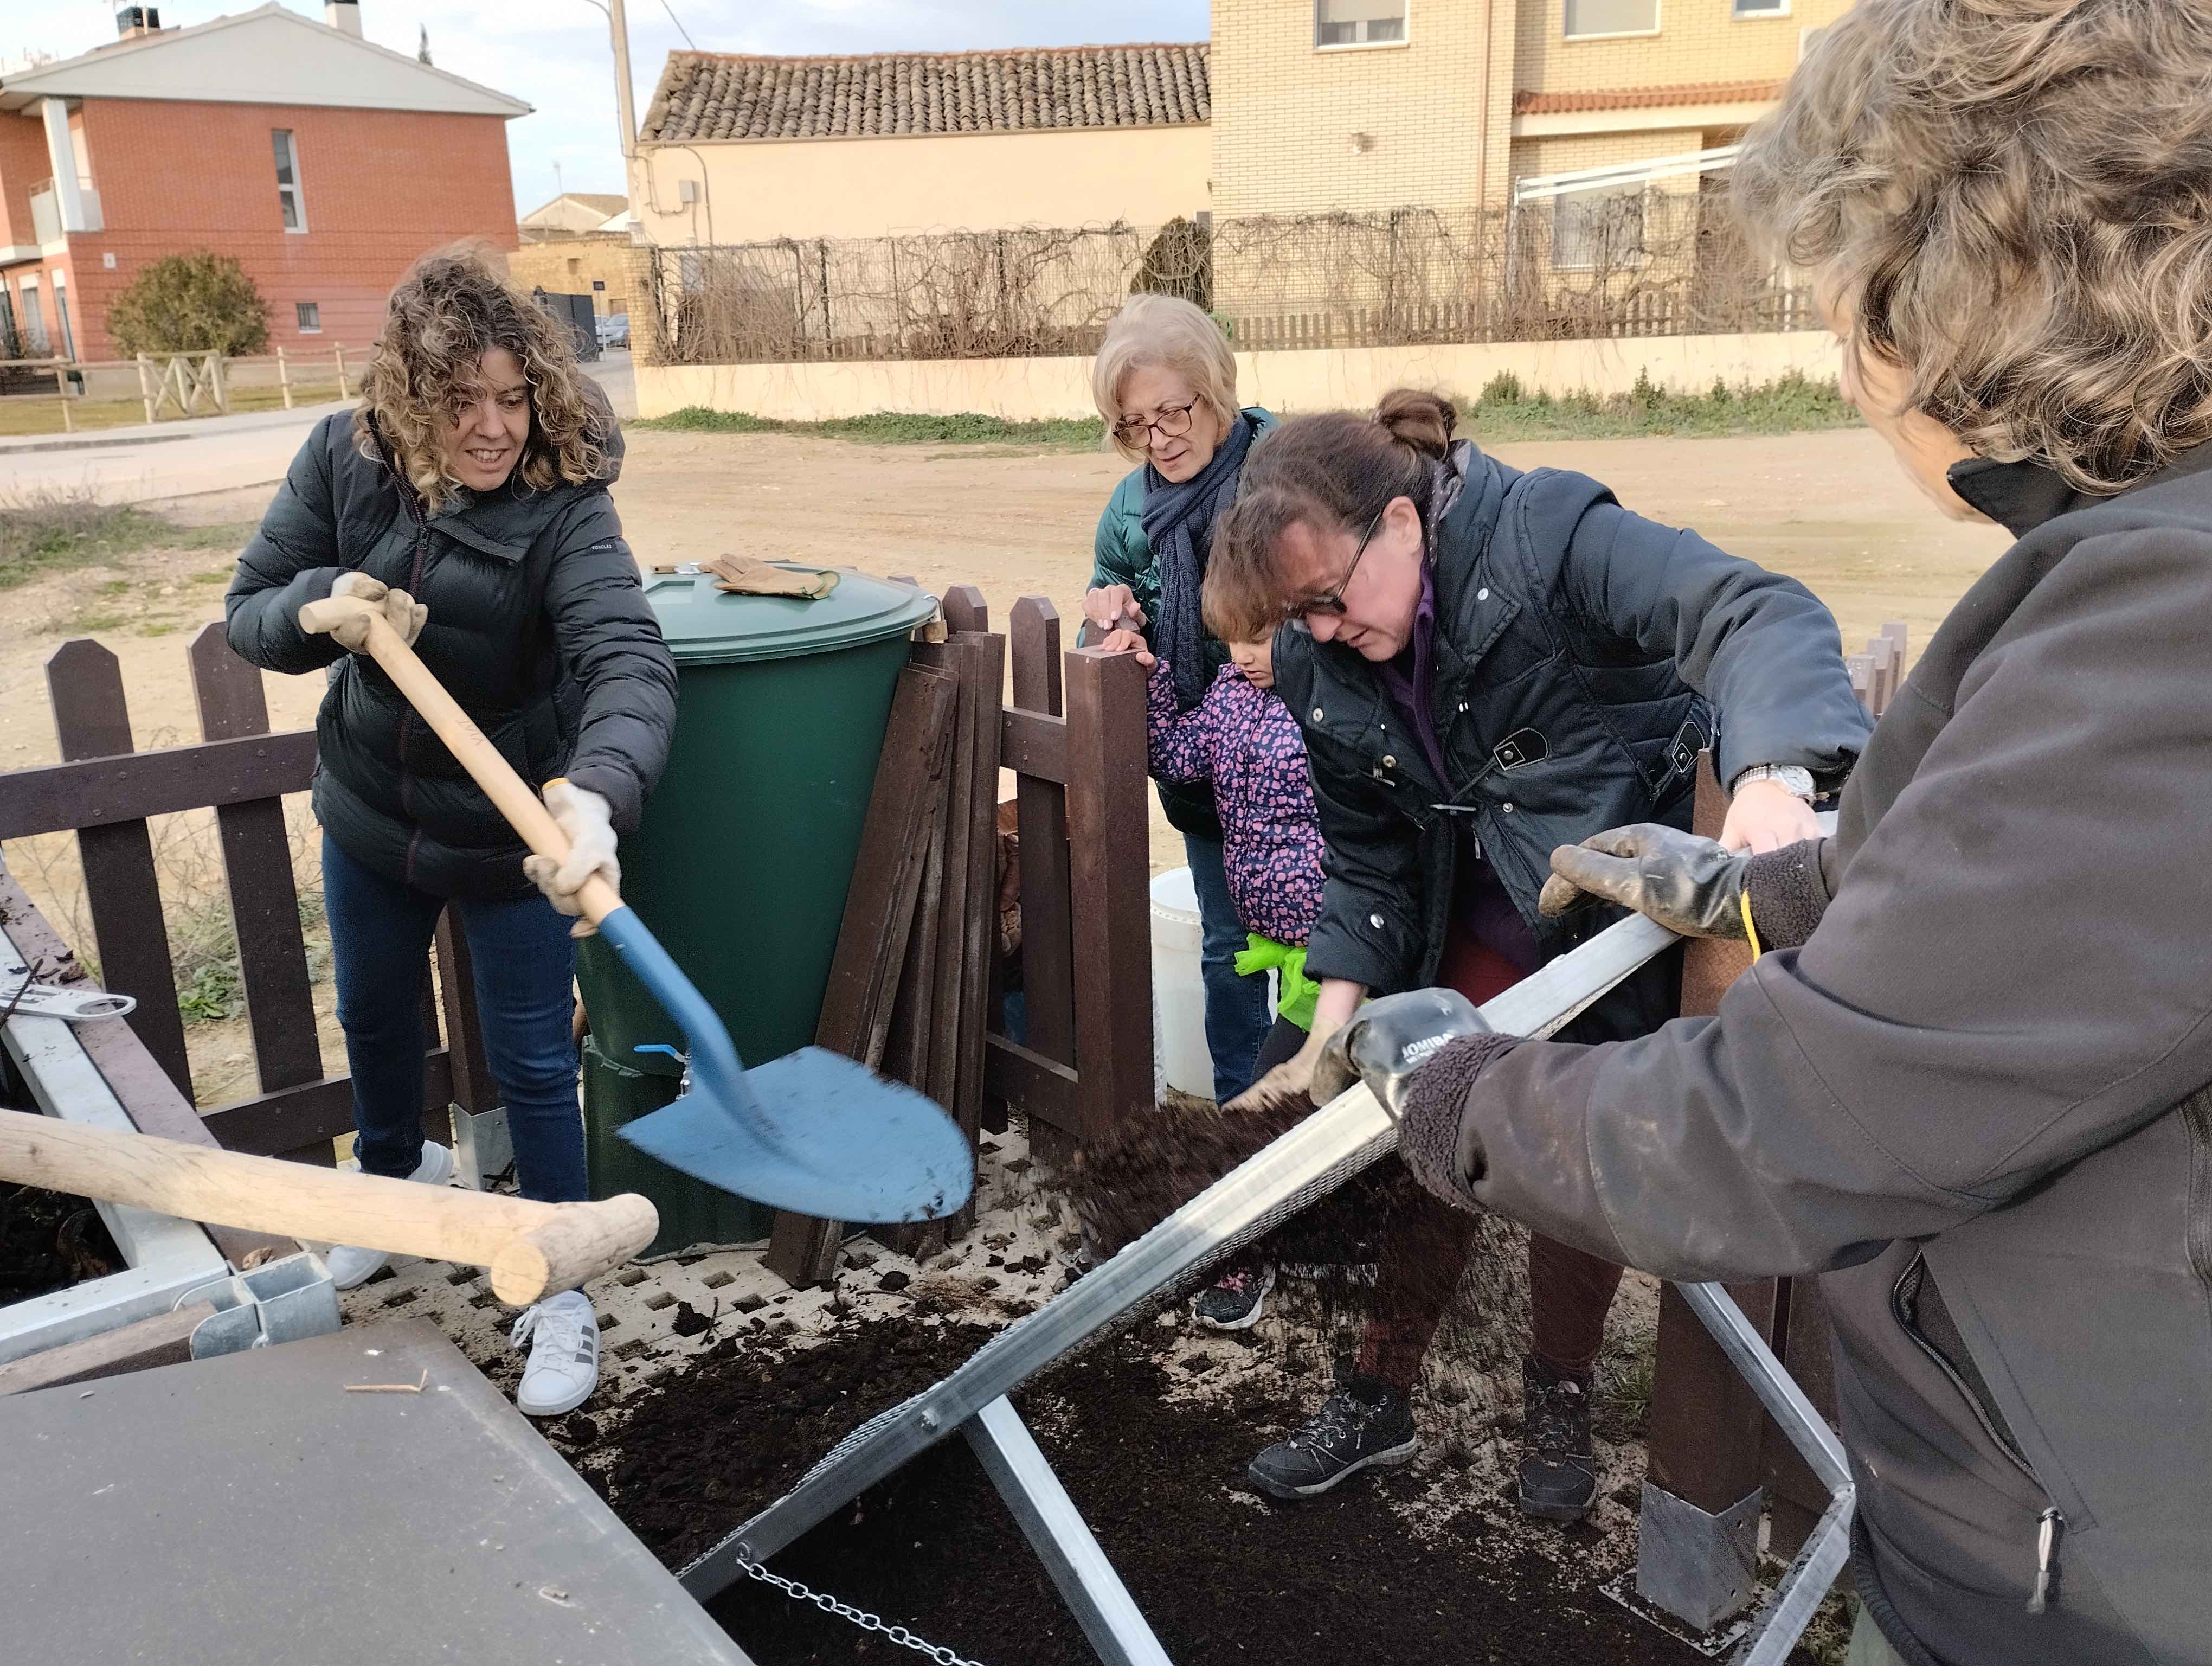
104	790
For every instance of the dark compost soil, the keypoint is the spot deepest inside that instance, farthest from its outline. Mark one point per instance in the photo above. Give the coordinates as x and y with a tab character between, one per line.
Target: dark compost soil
49	1241
1222	1575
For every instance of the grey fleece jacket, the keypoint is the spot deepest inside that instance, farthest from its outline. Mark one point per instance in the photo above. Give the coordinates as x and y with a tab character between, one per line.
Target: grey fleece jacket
1975	1101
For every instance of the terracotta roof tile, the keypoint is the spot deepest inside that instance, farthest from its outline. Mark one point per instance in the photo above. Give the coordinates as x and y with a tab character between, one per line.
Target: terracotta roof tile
715	96
1644	98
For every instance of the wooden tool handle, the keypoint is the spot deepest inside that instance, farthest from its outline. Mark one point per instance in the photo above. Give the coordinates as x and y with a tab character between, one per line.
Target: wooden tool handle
532	1249
510	794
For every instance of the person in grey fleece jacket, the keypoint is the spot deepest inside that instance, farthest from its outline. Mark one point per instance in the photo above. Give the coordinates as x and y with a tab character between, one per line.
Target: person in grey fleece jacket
1969	1082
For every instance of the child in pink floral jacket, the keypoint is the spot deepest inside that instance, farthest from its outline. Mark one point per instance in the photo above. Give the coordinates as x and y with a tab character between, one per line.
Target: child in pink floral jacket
1242	738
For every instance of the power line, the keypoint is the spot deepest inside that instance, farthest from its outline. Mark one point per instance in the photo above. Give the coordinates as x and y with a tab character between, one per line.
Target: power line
679	23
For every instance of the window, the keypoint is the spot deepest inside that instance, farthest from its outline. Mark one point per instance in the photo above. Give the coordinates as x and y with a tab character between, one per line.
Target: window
62	317
1360	22
1596	17
1598	229
1761	8
34	321
310	314
288	180
11	344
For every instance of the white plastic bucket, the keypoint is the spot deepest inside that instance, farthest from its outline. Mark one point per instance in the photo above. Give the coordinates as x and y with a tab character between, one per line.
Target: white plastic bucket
1178	992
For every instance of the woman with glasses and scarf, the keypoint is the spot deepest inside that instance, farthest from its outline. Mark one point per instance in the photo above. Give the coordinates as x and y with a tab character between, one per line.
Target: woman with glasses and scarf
1487	664
1165	381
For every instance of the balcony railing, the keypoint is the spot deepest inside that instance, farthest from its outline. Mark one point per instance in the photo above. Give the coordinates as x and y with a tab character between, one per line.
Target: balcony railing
47	211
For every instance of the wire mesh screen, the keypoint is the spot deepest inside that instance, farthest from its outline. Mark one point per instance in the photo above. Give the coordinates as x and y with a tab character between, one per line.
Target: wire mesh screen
1641	261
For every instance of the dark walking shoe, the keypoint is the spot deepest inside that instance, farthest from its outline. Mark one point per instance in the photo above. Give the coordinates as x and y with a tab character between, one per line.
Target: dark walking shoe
1559	1469
1362	1426
1233	1301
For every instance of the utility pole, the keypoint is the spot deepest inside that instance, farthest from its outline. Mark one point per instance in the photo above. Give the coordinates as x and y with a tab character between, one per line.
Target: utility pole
618	32
618	27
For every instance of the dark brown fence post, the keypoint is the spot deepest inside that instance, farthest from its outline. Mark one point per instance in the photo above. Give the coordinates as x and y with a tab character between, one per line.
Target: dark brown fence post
1696	1555
1108	834
474	1089
1048	956
257	862
92	720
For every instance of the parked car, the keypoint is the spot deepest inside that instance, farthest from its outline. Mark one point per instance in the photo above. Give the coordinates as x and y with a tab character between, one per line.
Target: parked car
614	331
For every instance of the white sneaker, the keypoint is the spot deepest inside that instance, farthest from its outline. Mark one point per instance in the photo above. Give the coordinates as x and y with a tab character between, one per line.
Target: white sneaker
351	1266
564	1333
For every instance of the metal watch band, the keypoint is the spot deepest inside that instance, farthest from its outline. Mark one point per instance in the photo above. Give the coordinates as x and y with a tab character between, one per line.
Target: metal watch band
1790	777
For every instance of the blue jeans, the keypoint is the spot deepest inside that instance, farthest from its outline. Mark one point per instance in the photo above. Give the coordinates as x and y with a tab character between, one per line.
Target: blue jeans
1236	1018
524	964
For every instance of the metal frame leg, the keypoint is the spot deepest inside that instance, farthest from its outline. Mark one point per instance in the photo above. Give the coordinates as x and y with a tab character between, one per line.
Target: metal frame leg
1094	1593
1778	1626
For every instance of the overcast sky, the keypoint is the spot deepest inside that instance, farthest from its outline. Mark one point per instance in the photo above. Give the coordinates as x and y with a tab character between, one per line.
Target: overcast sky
555	53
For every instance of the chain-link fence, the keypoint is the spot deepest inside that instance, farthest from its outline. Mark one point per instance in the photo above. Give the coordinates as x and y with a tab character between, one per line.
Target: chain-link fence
1649	262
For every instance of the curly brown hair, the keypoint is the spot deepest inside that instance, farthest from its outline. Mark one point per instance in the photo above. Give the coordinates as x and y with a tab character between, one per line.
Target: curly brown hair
452	308
2012	201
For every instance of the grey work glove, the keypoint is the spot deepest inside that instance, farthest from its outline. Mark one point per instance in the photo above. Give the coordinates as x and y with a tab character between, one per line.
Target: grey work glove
1688	884
1386	1042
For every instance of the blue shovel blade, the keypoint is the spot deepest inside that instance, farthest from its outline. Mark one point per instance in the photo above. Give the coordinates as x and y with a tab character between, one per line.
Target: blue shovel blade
814	1131
848	1145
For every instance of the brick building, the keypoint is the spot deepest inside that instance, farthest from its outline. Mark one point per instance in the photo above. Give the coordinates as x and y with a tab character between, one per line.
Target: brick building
322	163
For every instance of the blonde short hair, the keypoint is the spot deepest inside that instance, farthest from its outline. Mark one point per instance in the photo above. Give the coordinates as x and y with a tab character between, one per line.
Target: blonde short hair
1168	331
2012	200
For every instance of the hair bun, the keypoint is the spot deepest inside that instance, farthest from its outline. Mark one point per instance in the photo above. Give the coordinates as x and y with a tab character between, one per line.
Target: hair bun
1422	421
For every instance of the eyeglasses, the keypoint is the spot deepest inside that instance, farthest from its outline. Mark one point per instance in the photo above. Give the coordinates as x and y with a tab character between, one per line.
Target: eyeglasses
1334	601
1173	423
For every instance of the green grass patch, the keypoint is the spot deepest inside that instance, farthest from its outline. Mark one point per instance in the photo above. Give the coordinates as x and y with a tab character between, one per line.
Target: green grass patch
47	531
1505	411
1794	404
891	428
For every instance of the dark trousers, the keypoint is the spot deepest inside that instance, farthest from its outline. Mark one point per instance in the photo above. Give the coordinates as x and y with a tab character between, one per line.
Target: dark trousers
1236	1006
1426	1242
524	964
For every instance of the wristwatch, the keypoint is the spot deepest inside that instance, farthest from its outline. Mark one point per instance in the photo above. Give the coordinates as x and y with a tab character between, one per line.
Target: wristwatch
1789	777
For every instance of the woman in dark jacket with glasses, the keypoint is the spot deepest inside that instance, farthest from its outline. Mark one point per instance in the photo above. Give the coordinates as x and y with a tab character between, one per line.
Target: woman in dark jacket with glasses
1487	664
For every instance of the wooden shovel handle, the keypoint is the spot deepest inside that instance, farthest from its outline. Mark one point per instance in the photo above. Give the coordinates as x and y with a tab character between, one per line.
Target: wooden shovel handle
533	1249
510	794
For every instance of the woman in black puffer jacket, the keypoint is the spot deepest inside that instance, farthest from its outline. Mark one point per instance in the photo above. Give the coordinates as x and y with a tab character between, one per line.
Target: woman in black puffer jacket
465	498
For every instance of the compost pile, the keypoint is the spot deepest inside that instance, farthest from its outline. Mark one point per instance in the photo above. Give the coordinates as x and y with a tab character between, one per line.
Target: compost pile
49	1241
1157	1471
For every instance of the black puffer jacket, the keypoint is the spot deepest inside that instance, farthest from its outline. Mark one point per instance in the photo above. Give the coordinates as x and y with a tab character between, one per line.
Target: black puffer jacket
1592	646
539	627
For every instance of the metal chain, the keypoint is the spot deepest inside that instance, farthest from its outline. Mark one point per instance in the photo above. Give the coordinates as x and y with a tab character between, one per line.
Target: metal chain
860	1617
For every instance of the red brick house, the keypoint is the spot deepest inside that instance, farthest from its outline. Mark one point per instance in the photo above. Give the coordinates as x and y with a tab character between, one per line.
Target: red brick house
322	163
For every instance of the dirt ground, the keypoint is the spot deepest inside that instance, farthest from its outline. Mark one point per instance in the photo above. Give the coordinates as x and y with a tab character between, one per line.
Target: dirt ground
1831	509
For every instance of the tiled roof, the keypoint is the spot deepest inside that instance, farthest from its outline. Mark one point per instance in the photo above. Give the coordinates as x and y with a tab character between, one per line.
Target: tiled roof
1645	98
713	95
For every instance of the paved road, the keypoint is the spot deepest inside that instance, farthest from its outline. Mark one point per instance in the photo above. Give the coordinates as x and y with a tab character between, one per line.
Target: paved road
141	464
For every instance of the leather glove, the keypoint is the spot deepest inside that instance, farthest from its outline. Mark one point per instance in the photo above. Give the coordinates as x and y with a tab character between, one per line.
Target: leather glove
1386	1042
586	819
1688	884
344	615
1289	1081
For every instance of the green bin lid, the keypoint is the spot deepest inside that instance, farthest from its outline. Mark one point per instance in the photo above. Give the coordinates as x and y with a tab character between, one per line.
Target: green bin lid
705	626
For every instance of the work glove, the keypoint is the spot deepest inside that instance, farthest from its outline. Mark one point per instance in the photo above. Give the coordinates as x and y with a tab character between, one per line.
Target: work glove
344	615
1289	1081
586	821
1691	886
1386	1042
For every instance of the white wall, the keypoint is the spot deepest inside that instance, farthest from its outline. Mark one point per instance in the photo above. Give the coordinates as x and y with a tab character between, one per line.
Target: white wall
1023	390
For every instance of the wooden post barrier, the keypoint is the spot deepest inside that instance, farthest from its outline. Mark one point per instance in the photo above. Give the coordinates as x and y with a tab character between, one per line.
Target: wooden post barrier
104	792
1086	1061
1710	1445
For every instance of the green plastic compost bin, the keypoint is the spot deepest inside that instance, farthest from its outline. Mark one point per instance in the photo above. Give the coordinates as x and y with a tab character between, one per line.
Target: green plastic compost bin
747	845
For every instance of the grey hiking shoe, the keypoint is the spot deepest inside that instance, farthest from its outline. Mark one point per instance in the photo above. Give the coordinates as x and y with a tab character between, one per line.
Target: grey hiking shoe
1557	1476
1362	1426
